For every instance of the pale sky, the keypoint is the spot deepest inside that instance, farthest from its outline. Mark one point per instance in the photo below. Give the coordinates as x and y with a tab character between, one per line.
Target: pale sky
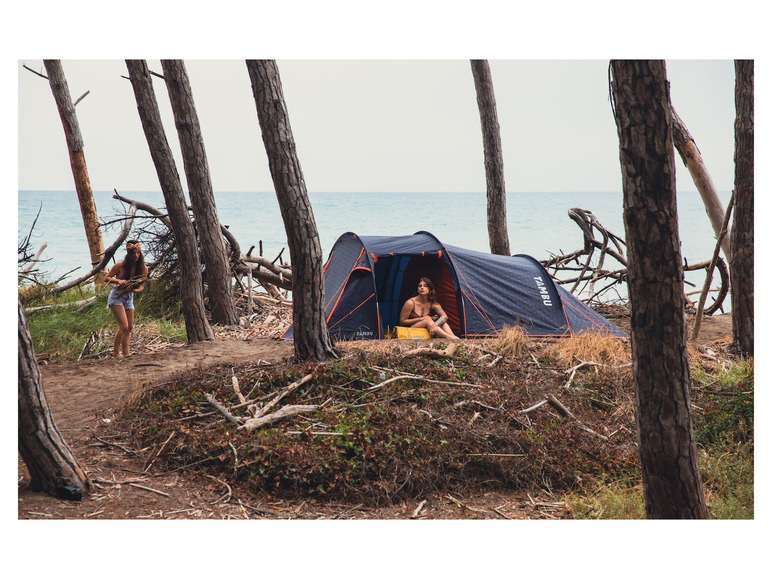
373	125
381	98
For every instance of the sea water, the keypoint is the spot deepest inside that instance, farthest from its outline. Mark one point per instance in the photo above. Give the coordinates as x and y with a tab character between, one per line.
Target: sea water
538	223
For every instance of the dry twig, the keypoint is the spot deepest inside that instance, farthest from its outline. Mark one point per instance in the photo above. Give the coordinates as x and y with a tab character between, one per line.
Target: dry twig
232	419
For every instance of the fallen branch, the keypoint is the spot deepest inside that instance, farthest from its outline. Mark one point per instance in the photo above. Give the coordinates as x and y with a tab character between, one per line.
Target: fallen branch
566	413
446	353
285	412
123	448
534	407
162	217
463	505
35	259
228	494
160	450
709	274
581	364
119	482
418	509
270	300
144	488
239	395
78	304
232	419
414	377
562	410
295	385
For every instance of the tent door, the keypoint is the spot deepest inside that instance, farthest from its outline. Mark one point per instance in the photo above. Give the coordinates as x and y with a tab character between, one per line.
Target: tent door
396	280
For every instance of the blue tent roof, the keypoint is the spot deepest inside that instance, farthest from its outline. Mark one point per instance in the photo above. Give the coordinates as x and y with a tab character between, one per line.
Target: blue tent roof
368	278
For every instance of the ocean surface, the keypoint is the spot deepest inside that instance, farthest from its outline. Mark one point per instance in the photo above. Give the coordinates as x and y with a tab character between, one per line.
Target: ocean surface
538	223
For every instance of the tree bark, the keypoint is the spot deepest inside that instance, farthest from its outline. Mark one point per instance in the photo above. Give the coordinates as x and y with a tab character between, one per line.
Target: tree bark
494	158
74	139
690	155
311	338
194	159
191	287
671	475
741	261
51	464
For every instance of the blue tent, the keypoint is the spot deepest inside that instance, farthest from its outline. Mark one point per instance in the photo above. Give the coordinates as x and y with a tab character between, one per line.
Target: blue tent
368	278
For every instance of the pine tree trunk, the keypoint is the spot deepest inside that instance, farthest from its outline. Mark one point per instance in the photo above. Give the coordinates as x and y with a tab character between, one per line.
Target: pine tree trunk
311	338
74	139
494	158
215	257
741	262
671	476
51	464
690	154
191	285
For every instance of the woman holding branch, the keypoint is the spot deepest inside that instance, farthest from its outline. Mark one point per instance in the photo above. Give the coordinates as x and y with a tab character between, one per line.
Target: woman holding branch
127	278
423	311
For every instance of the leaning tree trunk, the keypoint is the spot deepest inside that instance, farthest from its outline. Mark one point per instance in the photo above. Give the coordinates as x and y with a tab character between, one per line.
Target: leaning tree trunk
494	158
191	285
215	257
690	155
74	139
741	261
311	337
671	475
51	464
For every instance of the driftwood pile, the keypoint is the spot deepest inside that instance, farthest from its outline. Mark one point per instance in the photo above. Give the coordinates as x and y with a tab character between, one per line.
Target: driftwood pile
597	269
255	278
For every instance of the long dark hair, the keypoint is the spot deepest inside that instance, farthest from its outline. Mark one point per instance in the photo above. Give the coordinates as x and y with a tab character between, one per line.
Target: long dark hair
430	285
138	268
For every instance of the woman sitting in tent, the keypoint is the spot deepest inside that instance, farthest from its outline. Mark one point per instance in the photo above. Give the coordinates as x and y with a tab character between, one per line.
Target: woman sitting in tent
423	311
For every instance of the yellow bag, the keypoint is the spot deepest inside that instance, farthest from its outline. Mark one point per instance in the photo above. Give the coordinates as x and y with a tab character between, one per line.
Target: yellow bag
412	333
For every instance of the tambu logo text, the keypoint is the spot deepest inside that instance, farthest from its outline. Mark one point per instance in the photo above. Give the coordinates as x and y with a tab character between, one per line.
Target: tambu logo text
545	295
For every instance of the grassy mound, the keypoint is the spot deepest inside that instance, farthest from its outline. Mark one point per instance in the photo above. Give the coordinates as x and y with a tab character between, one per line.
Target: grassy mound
390	425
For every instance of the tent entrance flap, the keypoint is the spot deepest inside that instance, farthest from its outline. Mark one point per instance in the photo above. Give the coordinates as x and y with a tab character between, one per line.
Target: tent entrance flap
396	280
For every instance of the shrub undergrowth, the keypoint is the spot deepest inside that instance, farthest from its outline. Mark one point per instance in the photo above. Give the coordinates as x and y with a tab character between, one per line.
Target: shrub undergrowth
380	444
62	332
456	426
722	406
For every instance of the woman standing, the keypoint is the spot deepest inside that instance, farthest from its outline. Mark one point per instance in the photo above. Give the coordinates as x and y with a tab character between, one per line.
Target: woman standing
128	277
423	311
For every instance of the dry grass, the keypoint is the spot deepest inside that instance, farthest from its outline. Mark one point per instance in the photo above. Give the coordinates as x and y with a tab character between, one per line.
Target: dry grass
393	347
589	347
512	342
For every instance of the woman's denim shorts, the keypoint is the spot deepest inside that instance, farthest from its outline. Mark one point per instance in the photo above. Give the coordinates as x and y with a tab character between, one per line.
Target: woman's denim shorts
126	300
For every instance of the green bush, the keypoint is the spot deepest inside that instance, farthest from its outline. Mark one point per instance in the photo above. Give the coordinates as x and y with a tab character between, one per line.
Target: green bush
62	332
723	427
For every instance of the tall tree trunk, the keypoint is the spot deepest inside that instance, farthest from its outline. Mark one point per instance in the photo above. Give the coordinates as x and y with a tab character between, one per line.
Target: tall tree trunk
215	257
74	139
741	261
51	464
671	475
311	337
191	285
494	158
690	155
